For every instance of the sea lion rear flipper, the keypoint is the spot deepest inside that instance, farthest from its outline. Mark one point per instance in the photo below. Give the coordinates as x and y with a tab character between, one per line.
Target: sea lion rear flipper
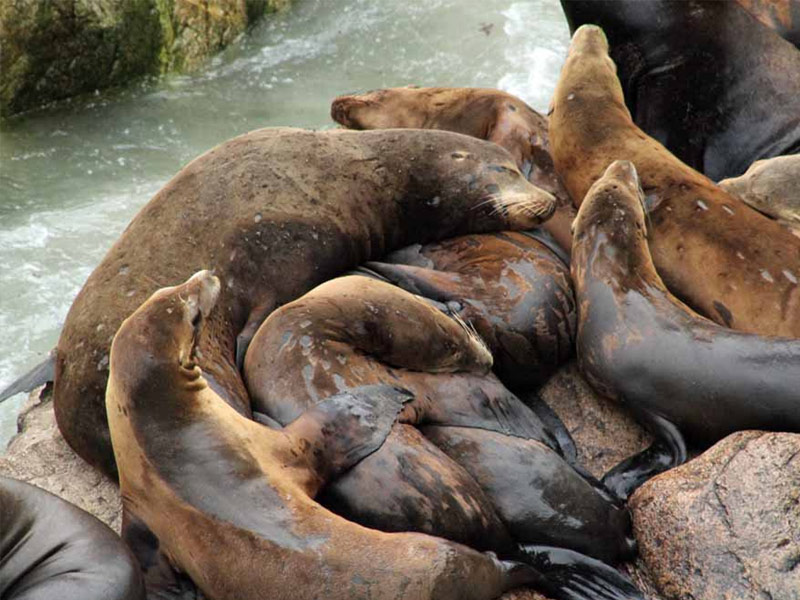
568	575
341	430
666	452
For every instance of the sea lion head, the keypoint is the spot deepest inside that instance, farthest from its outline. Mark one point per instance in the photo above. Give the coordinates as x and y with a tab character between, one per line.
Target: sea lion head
159	338
468	185
389	108
587	61
615	202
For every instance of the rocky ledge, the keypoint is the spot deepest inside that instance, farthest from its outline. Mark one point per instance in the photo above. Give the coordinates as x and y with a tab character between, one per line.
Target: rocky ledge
62	48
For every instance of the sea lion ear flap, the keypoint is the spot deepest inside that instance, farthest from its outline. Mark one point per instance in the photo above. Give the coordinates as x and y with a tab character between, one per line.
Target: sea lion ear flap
341	430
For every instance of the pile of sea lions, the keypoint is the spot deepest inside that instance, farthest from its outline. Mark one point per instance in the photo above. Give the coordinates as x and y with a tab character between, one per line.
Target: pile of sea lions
311	360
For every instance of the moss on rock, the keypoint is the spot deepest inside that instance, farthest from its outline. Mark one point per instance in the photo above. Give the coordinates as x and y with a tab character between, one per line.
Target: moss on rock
54	49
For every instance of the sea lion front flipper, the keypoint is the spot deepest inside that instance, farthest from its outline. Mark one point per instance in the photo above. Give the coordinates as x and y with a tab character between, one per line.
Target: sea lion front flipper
161	580
421	281
559	431
666	452
569	575
341	430
257	316
42	373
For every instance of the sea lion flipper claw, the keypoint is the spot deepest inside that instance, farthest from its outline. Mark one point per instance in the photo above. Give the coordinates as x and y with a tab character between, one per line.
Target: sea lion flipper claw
343	429
569	575
666	452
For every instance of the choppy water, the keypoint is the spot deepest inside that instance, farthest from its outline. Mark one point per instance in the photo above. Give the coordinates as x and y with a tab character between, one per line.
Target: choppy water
72	176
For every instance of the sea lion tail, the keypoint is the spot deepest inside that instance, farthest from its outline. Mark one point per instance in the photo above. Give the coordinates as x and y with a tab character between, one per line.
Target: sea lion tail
39	375
569	575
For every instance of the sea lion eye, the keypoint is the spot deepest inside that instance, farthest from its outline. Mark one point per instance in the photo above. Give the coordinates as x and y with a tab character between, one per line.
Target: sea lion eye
459	155
502	169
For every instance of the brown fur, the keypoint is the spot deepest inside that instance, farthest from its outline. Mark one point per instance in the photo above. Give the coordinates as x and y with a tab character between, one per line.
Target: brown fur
231	502
713	251
273	213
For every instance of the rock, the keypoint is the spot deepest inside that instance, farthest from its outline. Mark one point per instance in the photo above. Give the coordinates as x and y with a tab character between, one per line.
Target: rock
726	524
60	48
40	456
604	432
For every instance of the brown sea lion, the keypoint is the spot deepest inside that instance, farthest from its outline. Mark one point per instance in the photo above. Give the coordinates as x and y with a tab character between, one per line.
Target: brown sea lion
486	114
355	331
781	15
703	78
771	186
230	502
275	212
512	288
679	372
717	254
52	549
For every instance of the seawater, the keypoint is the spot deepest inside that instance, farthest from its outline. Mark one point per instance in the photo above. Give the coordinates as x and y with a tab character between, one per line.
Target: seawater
73	175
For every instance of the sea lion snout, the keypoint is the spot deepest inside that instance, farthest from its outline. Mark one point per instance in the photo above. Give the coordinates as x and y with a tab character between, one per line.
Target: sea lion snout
203	288
340	110
588	38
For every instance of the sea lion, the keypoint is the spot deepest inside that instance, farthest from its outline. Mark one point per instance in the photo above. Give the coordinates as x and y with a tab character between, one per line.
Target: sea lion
771	186
275	212
537	498
486	114
52	549
703	78
781	15
721	257
511	287
355	331
230	502
680	373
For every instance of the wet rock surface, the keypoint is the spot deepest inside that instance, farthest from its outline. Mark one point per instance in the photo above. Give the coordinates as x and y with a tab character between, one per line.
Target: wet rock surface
62	48
726	524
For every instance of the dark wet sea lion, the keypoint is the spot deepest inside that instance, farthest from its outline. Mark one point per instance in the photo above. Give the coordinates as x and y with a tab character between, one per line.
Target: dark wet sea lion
514	290
706	80
52	549
230	502
724	259
781	15
537	498
355	331
679	372
487	114
275	212
411	485
771	186
324	343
